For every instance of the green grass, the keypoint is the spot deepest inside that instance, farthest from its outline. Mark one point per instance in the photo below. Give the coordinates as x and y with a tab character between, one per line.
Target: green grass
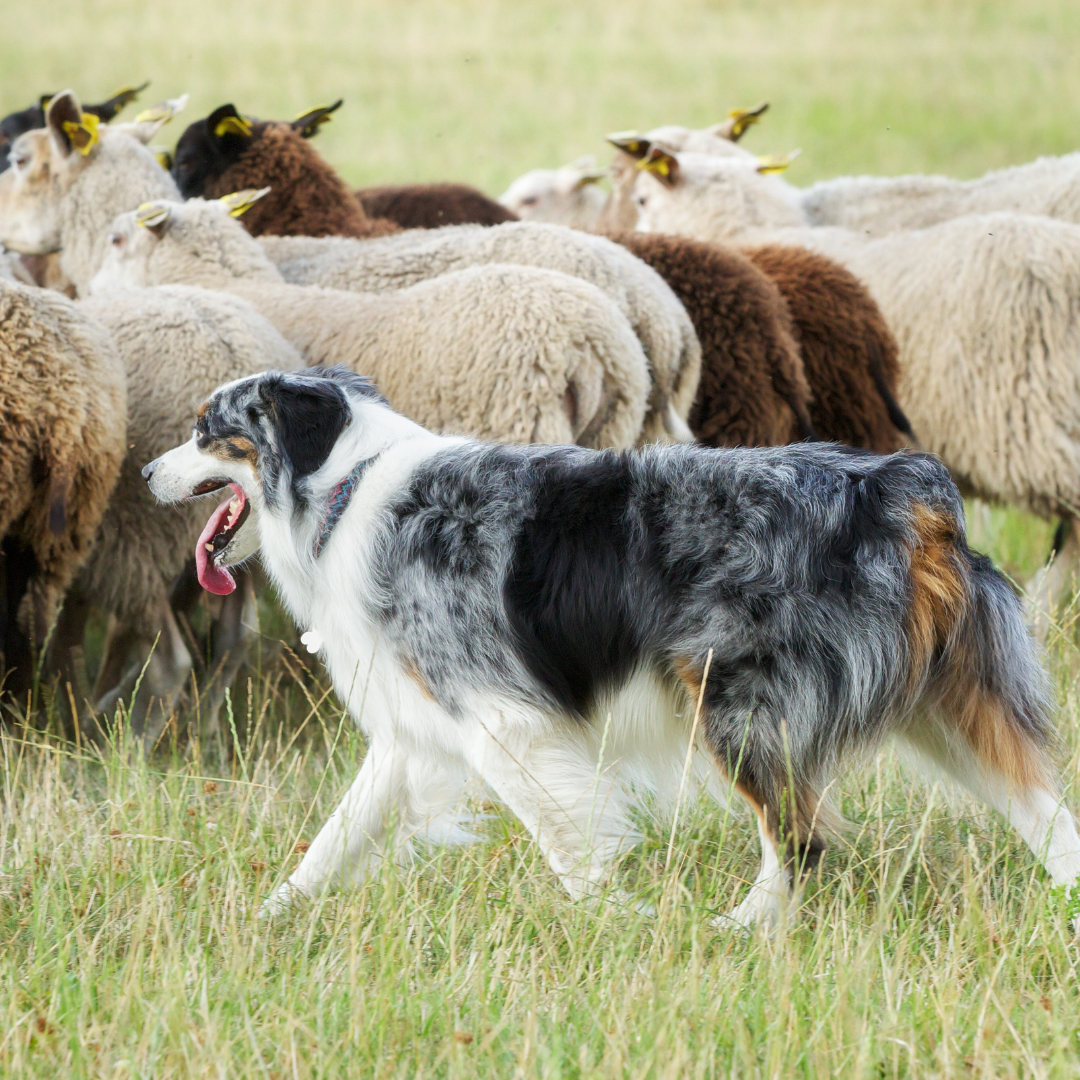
929	943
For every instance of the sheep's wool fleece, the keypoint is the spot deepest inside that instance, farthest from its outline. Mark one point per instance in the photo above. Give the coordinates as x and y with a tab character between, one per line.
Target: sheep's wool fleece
752	379
62	405
512	353
878	205
395	262
431	206
842	337
177	344
118	174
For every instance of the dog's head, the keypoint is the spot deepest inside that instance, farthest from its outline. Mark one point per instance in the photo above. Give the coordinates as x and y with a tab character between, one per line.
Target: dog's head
266	438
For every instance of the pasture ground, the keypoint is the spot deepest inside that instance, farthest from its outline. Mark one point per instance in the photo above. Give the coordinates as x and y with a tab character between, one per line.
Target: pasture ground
928	943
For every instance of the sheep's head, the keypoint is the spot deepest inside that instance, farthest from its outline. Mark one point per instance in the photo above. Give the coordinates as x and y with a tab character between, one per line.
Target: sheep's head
711	198
192	243
566	196
208	147
44	164
18	123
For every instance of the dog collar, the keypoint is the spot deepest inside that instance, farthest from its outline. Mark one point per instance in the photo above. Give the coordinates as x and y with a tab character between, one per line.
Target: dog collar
338	501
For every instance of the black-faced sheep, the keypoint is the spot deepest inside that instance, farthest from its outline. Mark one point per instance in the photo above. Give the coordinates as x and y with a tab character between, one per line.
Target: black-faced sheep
62	438
227	152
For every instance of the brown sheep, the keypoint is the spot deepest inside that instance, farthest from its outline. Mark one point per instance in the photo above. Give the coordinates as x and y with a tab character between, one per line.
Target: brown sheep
753	391
226	152
63	409
849	354
430	206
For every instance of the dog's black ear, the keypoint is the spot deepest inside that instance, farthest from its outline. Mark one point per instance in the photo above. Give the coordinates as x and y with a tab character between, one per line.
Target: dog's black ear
308	415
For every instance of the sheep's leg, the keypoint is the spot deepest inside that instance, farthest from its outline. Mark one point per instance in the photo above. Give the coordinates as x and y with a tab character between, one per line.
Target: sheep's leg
233	630
19	568
68	658
1057	580
119	640
159	684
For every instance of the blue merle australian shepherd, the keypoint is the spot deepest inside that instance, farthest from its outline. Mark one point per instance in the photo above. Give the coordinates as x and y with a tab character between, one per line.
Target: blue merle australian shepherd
551	618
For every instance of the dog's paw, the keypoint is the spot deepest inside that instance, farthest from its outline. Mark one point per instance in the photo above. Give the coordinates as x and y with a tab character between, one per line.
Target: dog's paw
761	909
281	901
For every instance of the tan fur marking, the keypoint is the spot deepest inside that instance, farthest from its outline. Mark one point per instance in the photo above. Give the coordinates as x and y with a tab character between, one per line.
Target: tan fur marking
410	669
939	587
235	449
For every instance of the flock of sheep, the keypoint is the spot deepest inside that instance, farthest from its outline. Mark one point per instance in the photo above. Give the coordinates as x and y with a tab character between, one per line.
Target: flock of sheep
702	298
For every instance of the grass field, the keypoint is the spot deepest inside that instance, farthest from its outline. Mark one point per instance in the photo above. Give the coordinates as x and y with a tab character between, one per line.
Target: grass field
928	943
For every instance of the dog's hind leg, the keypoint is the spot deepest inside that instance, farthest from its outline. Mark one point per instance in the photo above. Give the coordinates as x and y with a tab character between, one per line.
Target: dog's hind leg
356	831
574	809
1011	774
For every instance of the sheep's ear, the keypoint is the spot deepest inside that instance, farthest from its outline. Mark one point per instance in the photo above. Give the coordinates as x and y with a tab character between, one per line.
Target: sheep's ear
771	163
154	216
593	176
150	121
239	201
738	122
108	109
661	163
308	123
71	128
225	122
164	157
586	171
630	142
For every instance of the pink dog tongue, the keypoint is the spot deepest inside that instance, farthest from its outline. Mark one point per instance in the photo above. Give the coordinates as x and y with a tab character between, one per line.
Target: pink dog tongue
213	578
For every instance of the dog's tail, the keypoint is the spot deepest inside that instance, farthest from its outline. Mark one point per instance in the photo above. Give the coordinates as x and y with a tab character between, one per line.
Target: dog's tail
976	661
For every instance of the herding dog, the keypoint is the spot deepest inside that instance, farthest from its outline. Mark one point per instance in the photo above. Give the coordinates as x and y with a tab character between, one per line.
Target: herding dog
522	611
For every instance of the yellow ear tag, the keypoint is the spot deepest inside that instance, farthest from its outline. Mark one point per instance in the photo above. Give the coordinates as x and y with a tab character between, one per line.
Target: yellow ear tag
319	115
768	164
82	133
628	141
743	118
233	125
150	214
164	157
661	166
239	201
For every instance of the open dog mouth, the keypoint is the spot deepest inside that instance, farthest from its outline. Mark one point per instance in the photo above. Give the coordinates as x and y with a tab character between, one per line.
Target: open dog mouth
219	533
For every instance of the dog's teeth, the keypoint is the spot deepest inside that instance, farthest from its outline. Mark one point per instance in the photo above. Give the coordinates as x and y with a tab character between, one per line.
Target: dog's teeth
209	547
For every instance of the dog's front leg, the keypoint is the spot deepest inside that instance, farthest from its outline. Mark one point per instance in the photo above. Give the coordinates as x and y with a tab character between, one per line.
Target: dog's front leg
356	830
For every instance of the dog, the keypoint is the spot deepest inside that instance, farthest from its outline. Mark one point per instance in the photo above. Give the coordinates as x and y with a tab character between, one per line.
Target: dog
555	620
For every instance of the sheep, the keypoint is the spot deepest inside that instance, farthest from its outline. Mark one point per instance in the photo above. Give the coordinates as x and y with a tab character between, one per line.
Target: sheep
62	438
878	205
564	196
226	152
430	206
177	345
849	355
17	123
504	352
983	310
394	262
70	179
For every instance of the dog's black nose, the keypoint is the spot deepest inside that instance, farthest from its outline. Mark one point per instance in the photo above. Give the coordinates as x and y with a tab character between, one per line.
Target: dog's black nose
148	470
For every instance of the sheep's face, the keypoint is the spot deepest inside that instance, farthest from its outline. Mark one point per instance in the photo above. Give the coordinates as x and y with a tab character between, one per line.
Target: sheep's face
566	196
209	147
30	193
714	198
127	256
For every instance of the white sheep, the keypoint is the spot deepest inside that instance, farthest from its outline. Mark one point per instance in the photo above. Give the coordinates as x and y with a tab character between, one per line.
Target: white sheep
564	196
177	345
983	309
877	205
389	263
505	352
68	180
